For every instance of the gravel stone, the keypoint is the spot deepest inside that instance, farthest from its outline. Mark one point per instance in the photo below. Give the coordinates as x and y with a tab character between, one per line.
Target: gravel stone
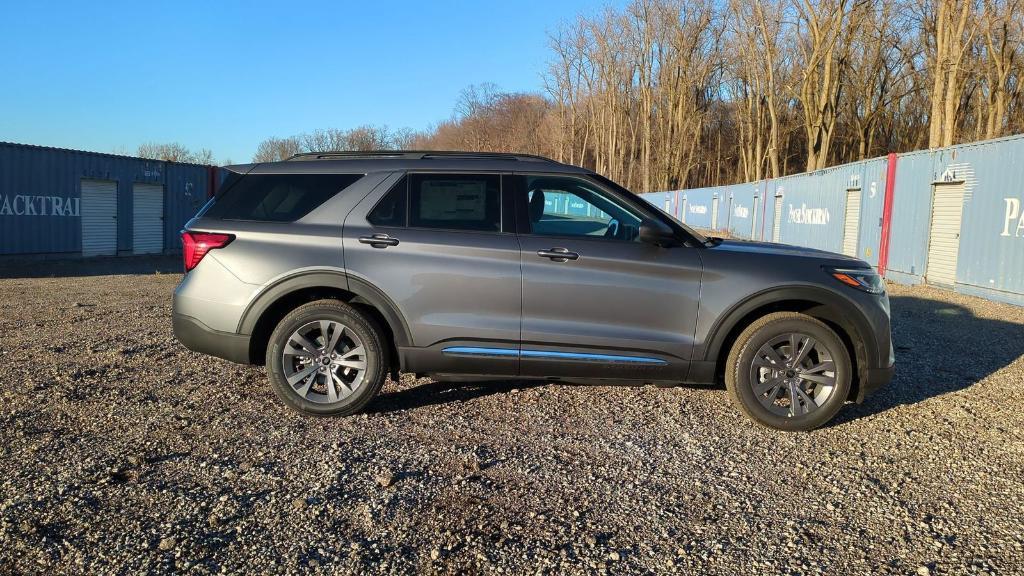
385	478
114	437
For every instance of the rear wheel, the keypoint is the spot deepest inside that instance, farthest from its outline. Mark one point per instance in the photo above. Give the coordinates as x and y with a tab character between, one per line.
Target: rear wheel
325	358
789	371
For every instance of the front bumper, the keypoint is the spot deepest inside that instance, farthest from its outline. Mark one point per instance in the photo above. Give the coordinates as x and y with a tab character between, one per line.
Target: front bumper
873	379
201	338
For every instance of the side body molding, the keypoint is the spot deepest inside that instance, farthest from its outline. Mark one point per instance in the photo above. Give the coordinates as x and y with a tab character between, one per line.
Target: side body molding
335	279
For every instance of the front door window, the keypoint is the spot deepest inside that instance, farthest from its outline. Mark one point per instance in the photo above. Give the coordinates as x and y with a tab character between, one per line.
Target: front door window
571	207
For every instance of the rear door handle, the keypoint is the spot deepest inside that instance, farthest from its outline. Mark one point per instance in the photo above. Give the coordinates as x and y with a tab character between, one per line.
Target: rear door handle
558	254
379	240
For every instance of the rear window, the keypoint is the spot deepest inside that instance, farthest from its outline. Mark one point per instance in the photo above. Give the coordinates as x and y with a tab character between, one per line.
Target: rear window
276	197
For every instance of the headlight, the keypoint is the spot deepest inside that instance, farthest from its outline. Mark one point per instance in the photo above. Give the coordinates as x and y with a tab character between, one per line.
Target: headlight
865	279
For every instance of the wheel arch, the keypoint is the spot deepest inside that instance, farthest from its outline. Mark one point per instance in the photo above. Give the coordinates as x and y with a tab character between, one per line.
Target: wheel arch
274	302
841	315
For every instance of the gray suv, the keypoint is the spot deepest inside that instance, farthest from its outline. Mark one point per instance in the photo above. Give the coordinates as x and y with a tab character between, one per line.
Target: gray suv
336	270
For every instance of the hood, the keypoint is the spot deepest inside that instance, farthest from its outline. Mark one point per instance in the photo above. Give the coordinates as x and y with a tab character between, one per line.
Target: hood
769	248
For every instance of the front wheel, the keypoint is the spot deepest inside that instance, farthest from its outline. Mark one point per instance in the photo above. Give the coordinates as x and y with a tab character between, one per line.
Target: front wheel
789	371
325	358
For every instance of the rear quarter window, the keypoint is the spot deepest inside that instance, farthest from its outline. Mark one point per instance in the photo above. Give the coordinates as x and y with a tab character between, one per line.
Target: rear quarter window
276	197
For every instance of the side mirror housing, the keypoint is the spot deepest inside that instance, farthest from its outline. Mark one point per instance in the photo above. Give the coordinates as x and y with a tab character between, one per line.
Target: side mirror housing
657	233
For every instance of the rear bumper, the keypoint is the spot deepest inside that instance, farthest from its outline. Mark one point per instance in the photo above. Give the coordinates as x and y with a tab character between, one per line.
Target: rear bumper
201	338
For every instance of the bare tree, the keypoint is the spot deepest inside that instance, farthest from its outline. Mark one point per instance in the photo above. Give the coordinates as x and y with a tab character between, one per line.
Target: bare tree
1002	40
275	149
666	94
948	27
174	152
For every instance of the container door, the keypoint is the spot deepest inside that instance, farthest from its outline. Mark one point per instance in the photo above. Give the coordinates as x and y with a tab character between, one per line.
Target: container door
99	218
753	219
851	226
777	221
944	239
148	219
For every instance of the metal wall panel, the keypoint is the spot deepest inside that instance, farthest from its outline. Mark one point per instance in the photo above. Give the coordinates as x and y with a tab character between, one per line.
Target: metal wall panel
40	196
742	213
872	202
813	207
991	252
911	214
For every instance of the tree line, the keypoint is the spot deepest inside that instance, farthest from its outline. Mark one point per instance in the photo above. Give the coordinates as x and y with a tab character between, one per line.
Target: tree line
668	94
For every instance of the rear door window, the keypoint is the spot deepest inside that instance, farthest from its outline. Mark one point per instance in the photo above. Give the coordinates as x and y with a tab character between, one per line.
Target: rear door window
455	201
277	197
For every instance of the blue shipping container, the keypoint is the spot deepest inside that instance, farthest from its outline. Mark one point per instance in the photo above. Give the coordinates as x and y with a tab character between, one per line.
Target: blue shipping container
41	191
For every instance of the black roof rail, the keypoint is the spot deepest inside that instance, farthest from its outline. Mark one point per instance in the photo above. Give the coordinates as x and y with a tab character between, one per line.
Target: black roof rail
418	155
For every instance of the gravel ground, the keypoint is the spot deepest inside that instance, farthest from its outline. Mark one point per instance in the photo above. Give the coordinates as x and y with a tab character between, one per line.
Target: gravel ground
120	451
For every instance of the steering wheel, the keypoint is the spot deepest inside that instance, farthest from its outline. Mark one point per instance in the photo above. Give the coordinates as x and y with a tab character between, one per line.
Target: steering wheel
613	229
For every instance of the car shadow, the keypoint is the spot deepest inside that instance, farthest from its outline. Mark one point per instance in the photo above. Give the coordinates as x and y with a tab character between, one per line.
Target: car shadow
434	393
80	267
940	348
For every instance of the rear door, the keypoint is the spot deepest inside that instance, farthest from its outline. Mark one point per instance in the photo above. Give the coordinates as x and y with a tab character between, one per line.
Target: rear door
442	248
597	302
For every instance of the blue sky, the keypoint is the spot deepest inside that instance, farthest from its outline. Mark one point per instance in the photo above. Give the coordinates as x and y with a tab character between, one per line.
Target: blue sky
107	76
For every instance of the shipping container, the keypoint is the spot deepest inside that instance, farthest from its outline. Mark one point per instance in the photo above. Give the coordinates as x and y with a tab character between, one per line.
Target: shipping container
955	216
57	202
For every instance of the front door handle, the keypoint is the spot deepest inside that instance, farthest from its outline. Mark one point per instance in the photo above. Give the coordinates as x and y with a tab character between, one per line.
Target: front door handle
558	254
379	240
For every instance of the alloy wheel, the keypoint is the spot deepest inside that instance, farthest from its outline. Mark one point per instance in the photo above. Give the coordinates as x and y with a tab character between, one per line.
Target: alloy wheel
793	374
324	361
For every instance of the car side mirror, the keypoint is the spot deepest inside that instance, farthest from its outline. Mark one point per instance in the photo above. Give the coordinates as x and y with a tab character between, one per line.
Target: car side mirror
657	233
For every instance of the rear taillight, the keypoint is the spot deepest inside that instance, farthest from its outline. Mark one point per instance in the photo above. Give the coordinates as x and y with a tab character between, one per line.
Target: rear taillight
197	244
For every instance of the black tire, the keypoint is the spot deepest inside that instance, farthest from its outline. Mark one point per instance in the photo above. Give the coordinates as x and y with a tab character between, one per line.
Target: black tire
358	328
746	362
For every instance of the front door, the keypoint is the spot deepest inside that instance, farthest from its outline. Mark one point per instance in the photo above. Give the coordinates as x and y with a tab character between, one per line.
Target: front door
597	302
436	245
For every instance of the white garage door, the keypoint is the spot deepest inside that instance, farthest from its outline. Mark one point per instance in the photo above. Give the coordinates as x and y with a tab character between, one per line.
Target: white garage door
148	219
777	221
944	240
99	218
851	226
